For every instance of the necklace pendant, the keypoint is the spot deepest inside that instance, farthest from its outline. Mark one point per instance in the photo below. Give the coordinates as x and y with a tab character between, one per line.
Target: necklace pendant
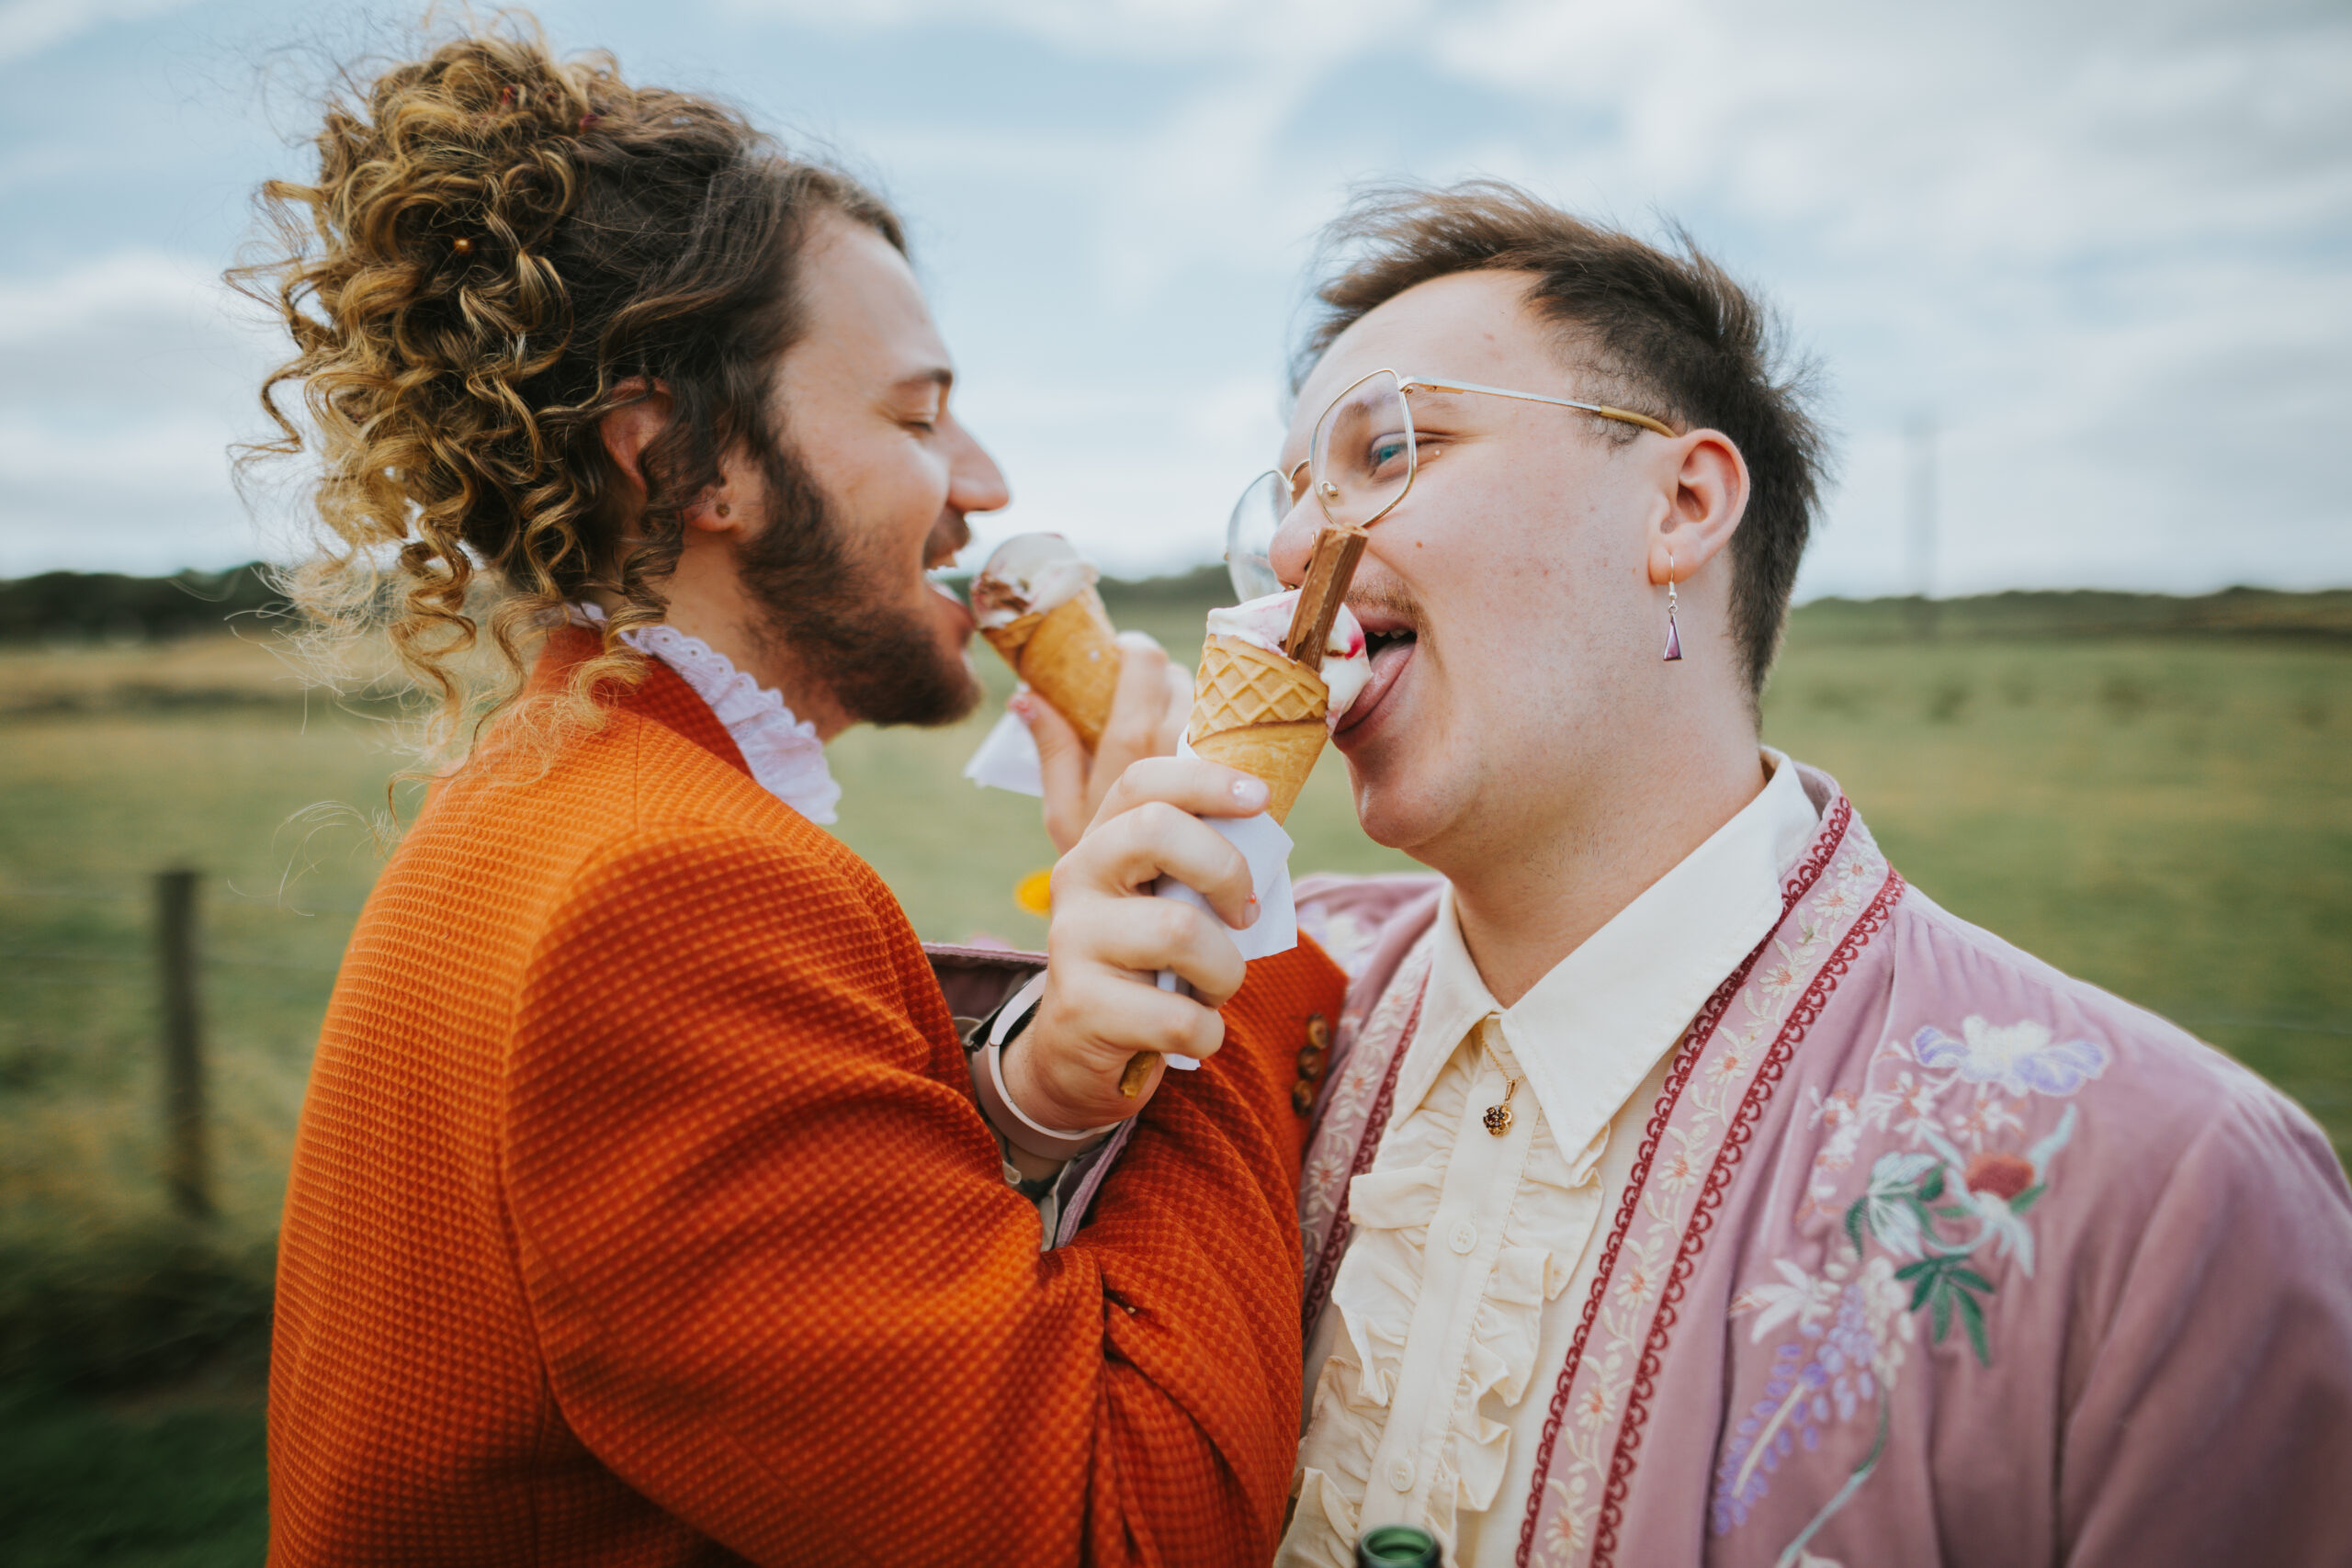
1497	1120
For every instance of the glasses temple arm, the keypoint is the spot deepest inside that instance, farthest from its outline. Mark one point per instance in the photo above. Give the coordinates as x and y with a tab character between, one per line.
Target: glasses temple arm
1603	410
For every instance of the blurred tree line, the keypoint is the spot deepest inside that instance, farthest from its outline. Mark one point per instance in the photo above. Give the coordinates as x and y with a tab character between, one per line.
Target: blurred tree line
82	607
95	606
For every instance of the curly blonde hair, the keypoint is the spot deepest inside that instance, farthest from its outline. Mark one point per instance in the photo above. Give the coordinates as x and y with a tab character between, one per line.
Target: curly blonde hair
501	248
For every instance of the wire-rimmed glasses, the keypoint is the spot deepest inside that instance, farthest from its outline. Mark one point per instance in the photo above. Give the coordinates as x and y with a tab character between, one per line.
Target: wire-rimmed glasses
1360	463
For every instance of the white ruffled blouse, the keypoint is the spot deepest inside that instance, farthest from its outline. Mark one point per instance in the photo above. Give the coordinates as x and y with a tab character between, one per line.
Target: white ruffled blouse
1471	1253
783	752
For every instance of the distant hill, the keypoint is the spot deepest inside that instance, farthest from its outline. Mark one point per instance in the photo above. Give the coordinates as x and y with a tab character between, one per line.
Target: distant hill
2242	612
66	606
2238	611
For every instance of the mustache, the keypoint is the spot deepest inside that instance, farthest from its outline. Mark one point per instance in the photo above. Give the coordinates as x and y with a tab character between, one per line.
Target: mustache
1383	598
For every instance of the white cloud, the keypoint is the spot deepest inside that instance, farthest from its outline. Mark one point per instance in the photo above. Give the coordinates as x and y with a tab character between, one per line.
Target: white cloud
1302	32
130	378
1140	477
2108	247
30	28
2056	231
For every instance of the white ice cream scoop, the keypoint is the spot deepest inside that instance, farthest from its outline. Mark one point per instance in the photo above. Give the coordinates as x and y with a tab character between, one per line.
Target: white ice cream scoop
1029	574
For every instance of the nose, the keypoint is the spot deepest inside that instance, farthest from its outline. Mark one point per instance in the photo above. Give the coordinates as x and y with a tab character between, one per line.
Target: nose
1295	541
974	482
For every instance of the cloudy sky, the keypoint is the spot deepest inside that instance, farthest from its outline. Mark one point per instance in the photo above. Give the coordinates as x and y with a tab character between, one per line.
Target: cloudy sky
2103	249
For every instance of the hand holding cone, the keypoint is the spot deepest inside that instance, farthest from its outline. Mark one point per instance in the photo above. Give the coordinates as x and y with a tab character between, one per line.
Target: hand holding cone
1258	708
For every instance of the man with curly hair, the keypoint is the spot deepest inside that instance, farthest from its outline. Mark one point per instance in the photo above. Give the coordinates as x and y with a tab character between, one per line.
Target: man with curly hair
643	1209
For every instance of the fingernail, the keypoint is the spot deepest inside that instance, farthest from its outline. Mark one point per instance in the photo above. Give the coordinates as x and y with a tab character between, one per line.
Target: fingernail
1251	792
1020	705
1254	911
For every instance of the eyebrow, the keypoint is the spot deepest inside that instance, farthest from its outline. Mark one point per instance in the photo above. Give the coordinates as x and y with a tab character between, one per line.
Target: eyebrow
938	376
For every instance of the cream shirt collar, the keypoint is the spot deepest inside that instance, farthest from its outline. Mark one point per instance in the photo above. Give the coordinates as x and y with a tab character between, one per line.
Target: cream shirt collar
1590	1030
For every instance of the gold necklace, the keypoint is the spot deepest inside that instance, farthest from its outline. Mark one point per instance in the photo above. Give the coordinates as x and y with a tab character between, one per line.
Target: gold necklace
1498	1118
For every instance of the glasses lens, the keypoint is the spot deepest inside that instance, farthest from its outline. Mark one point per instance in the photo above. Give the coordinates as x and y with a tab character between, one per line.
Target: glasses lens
1363	454
1250	535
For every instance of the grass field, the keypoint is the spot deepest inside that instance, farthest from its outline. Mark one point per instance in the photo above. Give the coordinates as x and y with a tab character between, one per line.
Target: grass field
2166	817
2163	811
173	1483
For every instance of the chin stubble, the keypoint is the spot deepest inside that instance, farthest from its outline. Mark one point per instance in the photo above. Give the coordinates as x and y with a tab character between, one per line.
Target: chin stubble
830	620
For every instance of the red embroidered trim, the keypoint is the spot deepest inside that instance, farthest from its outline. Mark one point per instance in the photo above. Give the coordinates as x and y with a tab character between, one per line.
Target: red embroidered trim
1327	1262
1808	871
1824	850
1711	1196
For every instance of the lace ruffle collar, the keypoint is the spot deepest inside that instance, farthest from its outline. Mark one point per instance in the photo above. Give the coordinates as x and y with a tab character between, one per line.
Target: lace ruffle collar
783	752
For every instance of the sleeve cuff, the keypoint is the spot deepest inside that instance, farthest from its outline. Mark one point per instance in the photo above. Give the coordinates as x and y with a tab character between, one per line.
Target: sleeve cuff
986	1058
1014	1128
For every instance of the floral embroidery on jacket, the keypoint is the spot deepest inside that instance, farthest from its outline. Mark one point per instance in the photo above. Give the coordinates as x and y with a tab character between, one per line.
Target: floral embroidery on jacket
2021	1058
1733	1052
1931	1219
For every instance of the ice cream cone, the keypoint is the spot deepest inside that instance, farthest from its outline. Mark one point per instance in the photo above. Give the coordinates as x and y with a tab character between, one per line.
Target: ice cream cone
1262	713
1069	658
1010	639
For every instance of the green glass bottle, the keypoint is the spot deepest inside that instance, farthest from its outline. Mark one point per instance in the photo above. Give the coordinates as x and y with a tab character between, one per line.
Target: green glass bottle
1397	1546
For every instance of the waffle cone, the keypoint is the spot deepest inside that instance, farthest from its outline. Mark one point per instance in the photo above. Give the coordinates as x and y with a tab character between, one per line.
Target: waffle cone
1010	639
1261	713
1069	658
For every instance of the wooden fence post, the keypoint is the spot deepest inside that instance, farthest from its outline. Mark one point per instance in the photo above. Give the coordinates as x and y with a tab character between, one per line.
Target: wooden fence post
188	1166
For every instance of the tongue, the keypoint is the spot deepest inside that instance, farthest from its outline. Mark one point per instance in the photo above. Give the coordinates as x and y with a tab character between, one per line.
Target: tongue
1388	662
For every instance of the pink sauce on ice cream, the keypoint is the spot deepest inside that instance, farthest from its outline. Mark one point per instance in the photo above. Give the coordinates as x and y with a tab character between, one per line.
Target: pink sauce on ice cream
1265	622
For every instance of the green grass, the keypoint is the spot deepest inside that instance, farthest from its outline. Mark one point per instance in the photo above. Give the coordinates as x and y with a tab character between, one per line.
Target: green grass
176	1483
2169	819
90	806
131	1371
2166	816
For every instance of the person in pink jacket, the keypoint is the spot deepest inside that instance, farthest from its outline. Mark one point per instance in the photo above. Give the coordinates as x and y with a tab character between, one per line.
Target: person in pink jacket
1688	1188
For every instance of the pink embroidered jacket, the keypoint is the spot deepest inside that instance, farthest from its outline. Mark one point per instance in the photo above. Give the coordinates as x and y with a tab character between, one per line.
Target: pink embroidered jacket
1931	1254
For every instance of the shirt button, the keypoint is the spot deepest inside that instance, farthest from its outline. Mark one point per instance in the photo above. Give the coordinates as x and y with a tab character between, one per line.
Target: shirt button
1400	1475
1464	1237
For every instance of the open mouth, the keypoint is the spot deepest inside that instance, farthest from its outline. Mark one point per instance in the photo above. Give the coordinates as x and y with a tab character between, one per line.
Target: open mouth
1389	650
951	587
939	552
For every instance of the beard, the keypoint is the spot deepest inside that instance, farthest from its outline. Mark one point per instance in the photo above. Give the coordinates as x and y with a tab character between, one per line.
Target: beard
829	615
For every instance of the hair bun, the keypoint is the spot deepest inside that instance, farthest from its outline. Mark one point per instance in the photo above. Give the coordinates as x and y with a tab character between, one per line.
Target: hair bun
499	249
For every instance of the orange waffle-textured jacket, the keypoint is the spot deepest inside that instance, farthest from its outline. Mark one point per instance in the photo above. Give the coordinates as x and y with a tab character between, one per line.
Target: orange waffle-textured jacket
641	1214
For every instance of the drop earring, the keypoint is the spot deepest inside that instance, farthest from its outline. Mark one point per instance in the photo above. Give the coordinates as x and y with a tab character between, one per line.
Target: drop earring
1673	632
